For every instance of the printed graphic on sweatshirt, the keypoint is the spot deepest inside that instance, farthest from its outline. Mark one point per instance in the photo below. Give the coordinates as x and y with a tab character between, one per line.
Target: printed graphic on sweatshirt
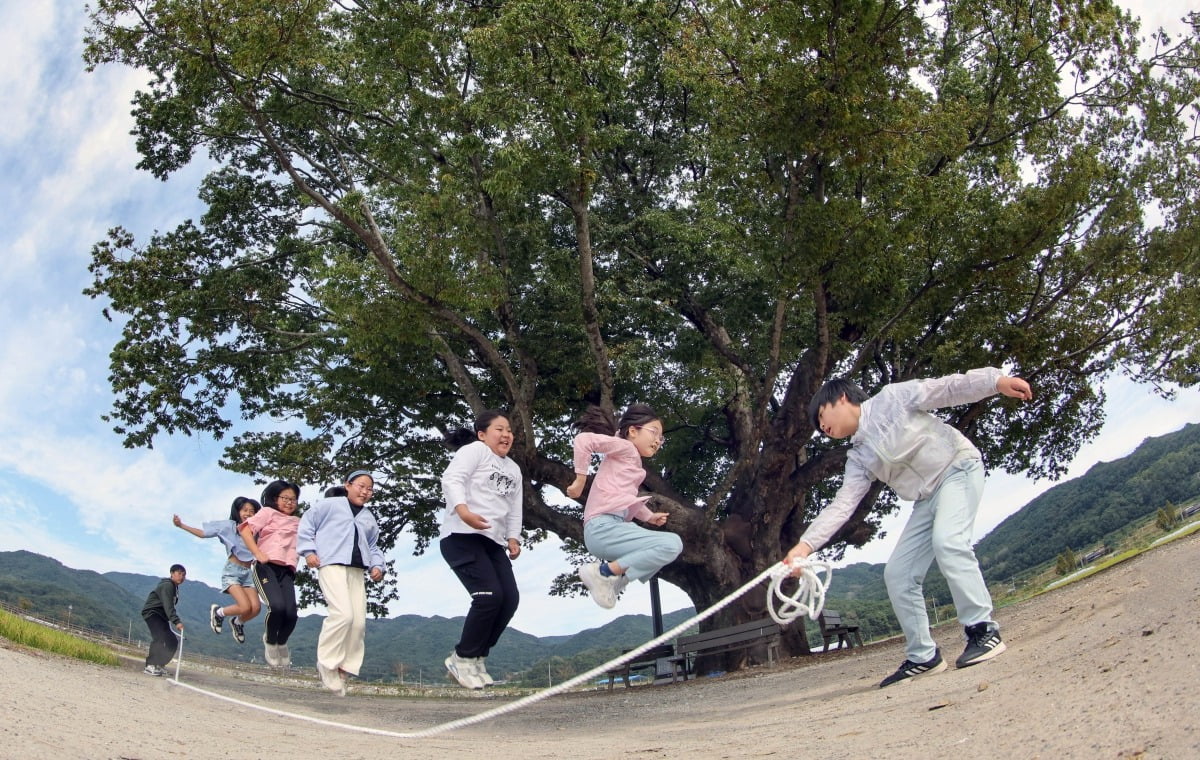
501	481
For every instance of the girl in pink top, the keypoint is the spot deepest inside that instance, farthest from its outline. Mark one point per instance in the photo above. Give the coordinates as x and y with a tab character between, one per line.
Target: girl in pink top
270	535
628	551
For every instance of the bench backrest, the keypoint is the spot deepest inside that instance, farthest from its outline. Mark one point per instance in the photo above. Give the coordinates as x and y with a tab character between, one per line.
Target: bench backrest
831	619
758	629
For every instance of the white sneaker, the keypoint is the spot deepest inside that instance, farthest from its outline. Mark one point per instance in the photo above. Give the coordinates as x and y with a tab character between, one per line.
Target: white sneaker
603	589
622	582
331	679
151	670
481	672
269	653
283	658
462	668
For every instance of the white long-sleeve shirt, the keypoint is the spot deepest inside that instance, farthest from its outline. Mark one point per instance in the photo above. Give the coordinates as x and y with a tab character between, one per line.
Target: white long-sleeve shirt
490	486
899	442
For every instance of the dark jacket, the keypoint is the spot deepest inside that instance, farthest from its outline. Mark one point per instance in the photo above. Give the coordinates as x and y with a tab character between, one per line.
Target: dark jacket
162	601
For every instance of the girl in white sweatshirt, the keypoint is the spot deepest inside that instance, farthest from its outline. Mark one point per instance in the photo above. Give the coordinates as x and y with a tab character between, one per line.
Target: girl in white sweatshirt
480	536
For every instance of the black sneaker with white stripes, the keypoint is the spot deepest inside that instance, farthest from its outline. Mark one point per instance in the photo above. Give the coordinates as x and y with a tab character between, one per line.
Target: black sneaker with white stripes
909	669
239	631
983	643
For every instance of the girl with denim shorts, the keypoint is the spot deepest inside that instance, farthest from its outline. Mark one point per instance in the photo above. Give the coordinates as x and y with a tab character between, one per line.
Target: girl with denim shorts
237	579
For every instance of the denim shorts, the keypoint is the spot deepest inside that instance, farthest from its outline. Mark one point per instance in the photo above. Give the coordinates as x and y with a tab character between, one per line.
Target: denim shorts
235	575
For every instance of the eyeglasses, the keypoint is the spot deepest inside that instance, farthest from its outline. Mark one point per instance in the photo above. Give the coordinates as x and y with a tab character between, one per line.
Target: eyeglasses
286	499
659	436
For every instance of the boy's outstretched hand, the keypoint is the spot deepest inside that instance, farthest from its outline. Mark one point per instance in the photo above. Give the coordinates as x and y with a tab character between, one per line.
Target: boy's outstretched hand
800	551
1014	387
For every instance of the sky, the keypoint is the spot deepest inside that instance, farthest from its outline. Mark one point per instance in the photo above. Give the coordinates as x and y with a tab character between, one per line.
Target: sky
71	491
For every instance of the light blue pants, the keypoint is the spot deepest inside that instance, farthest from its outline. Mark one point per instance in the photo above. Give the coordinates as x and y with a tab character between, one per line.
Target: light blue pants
640	551
940	528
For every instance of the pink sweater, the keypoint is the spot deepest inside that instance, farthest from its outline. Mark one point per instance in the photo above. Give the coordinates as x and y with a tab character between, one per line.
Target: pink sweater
615	487
275	534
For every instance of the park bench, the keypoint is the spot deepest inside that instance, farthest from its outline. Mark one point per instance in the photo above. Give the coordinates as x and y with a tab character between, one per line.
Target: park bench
731	639
647	660
832	625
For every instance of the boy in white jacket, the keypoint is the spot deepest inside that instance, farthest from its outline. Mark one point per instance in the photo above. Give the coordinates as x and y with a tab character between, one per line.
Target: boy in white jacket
895	439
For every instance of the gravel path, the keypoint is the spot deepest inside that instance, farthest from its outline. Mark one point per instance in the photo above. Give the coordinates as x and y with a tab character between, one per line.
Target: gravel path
1104	668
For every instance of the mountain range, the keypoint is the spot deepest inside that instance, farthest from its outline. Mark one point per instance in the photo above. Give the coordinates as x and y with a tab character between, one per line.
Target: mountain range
1078	514
111	603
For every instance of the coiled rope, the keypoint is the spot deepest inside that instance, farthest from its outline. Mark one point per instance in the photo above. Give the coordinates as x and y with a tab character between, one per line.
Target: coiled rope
808	599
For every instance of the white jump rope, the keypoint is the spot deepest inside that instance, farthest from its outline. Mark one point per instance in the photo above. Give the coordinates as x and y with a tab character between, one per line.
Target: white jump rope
807	599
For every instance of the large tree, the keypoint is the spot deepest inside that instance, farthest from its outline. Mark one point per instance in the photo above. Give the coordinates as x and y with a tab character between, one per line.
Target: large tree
422	209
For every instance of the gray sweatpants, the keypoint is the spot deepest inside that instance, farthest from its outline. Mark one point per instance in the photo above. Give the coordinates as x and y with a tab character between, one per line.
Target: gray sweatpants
940	528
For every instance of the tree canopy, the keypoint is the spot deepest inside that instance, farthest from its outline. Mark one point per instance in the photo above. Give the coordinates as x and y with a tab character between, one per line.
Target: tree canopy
423	209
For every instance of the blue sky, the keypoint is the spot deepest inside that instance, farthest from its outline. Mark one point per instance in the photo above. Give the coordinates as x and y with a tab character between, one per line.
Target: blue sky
69	490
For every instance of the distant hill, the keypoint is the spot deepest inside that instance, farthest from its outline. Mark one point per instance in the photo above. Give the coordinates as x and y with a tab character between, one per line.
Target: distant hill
111	603
1078	514
1082	512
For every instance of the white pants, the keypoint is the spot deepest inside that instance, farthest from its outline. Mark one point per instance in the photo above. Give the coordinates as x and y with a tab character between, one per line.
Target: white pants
940	528
344	631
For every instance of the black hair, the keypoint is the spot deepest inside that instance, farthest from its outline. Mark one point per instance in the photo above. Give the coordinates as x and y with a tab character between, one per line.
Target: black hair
270	494
460	437
177	568
830	392
235	511
333	491
597	420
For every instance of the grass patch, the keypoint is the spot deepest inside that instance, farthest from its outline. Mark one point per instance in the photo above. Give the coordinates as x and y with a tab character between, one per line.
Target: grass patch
36	636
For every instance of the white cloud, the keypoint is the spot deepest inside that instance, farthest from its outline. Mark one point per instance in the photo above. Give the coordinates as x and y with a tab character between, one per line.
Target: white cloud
27	30
70	490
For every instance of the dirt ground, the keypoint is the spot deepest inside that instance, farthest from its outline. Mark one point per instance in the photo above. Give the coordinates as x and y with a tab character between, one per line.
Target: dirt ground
1106	667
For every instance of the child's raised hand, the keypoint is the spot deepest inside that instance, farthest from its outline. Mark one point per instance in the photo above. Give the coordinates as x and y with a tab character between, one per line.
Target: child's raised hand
1014	387
175	519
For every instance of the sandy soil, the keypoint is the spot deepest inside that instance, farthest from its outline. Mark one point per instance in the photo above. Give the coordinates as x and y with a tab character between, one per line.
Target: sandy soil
1103	668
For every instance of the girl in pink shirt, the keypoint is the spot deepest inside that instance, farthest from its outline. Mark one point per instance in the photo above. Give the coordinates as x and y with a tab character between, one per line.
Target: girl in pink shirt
628	551
270	535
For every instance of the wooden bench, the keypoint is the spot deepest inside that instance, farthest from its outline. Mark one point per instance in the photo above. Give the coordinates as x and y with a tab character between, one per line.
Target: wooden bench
647	660
730	639
832	625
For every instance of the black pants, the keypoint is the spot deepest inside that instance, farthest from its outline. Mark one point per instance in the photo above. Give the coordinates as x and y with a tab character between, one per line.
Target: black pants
485	570
277	586
163	641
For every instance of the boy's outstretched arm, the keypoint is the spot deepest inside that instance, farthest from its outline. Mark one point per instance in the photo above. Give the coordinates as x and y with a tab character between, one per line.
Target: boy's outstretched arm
1014	387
